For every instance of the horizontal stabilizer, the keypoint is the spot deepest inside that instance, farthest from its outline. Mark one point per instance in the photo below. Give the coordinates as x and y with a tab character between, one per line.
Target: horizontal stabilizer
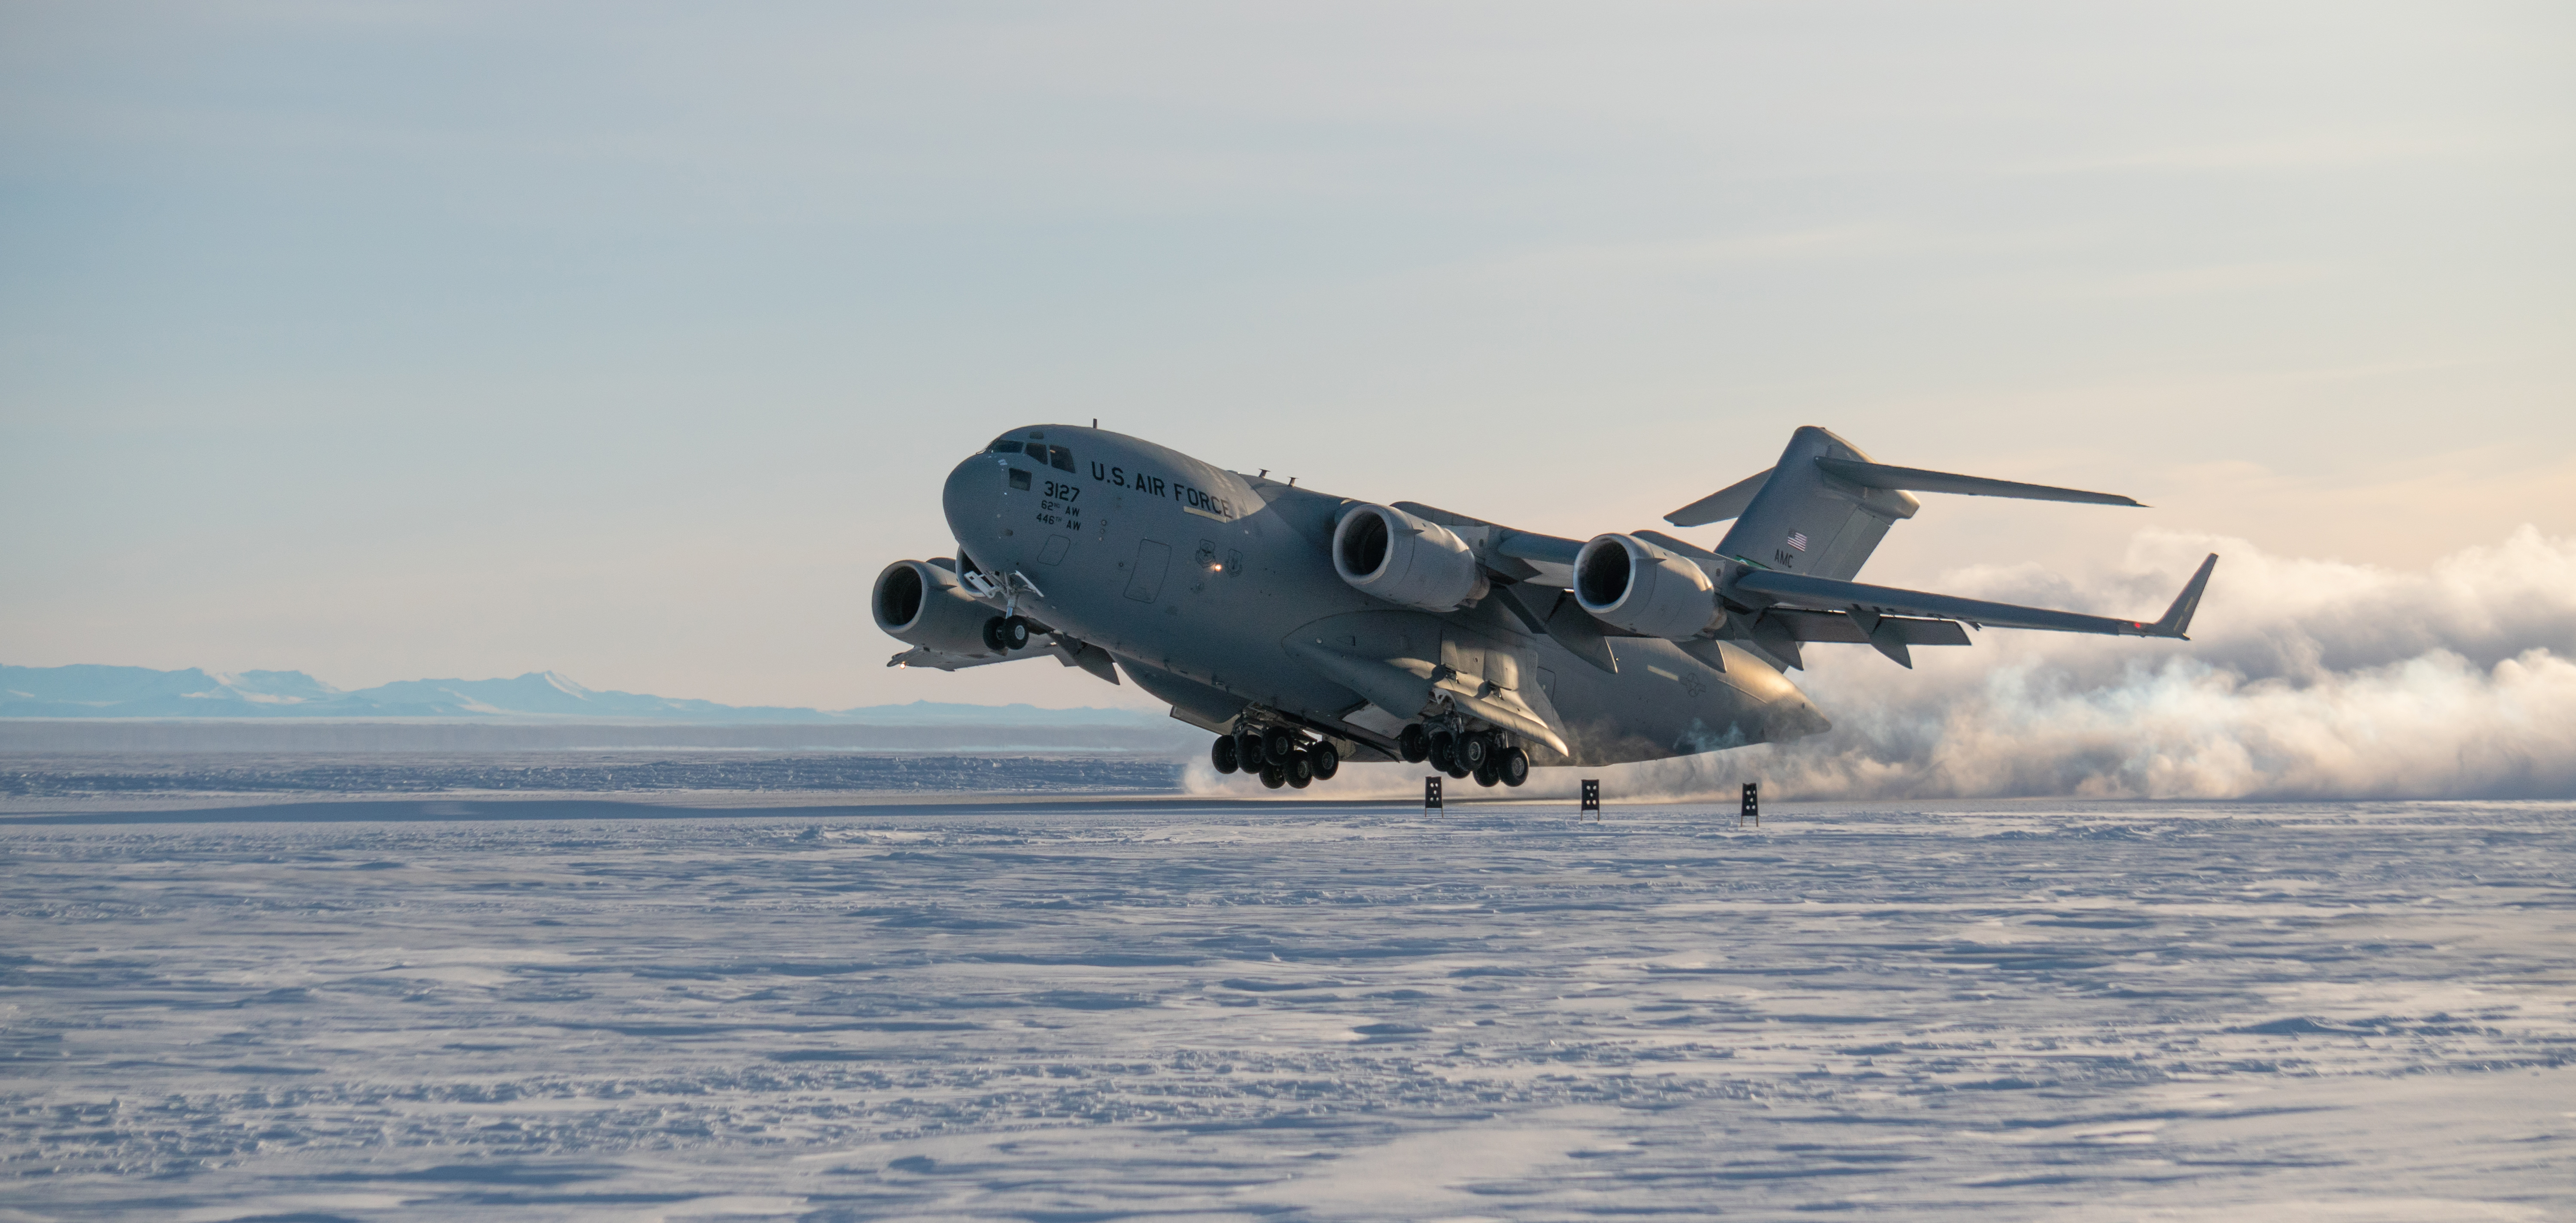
1828	594
1721	505
1912	479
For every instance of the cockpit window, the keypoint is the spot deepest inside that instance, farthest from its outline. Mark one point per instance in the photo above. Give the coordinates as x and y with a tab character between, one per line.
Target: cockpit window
1060	458
1019	479
1004	445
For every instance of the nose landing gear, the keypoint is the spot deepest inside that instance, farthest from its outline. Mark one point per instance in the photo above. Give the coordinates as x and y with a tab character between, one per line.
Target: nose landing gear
1003	634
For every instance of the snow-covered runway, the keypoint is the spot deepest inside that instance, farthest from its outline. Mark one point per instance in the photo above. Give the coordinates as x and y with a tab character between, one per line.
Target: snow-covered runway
1997	1011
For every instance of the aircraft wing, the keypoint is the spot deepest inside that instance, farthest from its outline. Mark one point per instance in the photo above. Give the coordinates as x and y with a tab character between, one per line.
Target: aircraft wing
1548	559
1063	649
1801	590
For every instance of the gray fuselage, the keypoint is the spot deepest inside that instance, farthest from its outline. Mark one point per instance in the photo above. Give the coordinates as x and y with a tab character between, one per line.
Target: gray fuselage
1199	581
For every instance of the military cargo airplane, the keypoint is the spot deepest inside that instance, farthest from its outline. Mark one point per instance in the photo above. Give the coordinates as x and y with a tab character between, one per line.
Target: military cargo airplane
1304	629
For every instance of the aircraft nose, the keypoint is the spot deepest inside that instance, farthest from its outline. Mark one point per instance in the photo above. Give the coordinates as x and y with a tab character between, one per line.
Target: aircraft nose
972	498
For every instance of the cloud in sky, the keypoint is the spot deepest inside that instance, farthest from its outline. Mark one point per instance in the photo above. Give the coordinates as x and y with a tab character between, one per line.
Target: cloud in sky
629	340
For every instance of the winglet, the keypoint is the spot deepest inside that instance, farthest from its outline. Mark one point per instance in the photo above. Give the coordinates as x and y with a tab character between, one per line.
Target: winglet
2178	617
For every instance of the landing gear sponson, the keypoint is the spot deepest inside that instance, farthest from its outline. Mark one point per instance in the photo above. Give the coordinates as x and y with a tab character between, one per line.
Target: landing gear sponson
1290	756
1282	756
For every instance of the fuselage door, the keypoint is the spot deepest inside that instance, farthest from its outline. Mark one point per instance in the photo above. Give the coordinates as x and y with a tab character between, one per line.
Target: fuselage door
1145	578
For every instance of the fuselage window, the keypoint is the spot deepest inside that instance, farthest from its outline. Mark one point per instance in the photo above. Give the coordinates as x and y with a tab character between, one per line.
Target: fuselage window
1019	479
1005	446
1061	458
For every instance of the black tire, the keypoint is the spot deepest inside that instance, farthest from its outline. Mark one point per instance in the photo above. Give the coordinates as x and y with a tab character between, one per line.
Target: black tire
1301	771
1326	760
1438	754
1273	776
1279	743
993	636
1472	752
1222	754
1487	774
1514	766
1413	743
1015	634
1247	750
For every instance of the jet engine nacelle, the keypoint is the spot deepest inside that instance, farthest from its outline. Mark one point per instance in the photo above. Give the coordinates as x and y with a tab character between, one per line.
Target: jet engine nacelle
1625	581
919	603
1402	559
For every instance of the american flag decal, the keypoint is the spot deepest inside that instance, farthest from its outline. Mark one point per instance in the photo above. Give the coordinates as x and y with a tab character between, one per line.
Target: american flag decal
1798	540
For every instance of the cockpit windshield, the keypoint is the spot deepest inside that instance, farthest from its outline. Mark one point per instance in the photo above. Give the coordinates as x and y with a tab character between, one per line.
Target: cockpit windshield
1058	457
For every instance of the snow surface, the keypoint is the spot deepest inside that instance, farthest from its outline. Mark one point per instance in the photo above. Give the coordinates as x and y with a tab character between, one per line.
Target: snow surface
89	691
1199	1010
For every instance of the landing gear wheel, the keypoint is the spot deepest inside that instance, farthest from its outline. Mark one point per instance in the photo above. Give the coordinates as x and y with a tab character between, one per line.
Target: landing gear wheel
1247	750
993	636
1015	634
1222	754
1472	751
1487	774
1279	744
1273	776
1439	755
1301	771
1413	743
1514	766
1325	759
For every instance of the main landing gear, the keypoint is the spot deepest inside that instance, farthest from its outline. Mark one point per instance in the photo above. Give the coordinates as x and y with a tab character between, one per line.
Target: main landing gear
1482	754
1280	756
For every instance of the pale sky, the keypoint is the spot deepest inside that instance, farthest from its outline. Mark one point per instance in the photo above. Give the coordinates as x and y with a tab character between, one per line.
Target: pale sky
387	341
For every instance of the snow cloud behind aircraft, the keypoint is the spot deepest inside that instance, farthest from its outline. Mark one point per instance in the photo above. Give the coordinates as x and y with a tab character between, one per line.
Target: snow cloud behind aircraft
2303	679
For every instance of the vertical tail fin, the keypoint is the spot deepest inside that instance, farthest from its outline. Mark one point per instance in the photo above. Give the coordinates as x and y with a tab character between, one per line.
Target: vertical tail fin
1824	508
1803	520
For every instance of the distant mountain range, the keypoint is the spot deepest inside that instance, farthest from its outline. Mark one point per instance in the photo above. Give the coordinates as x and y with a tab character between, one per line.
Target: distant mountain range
89	691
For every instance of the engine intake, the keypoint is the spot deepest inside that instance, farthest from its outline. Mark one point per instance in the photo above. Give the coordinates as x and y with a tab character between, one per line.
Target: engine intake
1625	581
920	603
1383	551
